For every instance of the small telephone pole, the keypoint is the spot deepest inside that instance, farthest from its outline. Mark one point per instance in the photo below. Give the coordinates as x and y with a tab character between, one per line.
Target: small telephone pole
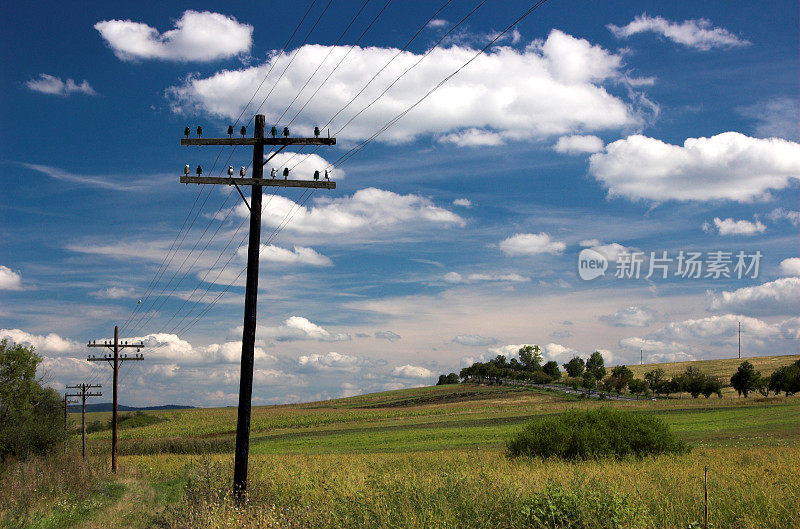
258	141
84	393
641	357
115	360
740	340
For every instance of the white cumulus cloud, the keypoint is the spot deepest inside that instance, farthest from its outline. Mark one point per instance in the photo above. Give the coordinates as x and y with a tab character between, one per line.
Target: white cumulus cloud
198	36
114	293
299	328
44	344
409	371
387	335
531	244
557	89
781	296
299	255
778	214
730	226
9	279
728	166
578	144
699	34
369	210
791	266
329	361
52	85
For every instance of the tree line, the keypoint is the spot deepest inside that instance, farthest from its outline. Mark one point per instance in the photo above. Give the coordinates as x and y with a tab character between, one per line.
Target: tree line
591	374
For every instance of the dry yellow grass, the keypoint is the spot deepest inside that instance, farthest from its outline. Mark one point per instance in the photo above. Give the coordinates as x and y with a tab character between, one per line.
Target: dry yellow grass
722	368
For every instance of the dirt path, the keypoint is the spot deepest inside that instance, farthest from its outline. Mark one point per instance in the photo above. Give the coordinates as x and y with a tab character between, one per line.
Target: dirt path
133	510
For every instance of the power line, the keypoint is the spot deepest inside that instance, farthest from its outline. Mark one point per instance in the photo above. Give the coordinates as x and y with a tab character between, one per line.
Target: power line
349	154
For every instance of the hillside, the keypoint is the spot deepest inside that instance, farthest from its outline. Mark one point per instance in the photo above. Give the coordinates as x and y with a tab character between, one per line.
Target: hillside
723	368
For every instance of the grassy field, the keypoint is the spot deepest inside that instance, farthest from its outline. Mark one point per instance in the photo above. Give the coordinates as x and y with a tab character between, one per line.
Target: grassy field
723	368
431	457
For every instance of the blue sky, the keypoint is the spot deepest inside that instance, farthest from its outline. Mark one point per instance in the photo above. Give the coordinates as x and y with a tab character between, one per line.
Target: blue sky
618	127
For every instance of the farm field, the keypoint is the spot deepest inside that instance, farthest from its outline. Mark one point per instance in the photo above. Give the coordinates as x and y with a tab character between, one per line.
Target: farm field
434	457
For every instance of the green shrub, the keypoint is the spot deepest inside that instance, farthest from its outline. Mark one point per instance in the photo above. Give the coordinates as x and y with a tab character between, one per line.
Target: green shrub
136	419
591	434
558	508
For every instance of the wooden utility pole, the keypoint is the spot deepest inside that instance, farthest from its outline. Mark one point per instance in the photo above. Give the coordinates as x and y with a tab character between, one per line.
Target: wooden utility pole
740	340
115	360
257	181
84	388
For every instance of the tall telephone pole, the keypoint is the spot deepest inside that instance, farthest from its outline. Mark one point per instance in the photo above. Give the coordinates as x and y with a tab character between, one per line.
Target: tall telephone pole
115	360
258	141
85	392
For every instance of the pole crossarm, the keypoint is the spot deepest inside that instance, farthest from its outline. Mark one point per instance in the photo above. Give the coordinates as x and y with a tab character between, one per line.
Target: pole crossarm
258	141
266	182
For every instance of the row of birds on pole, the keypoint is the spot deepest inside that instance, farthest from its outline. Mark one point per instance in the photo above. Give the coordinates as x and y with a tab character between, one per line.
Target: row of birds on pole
243	131
243	172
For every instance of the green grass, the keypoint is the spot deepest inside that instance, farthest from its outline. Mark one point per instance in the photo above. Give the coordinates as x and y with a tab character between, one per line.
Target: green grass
434	457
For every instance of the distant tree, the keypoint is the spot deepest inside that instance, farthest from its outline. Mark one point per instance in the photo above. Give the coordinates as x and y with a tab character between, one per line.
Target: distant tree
712	385
620	377
656	380
596	365
531	357
551	370
575	367
694	380
589	380
637	386
31	416
786	379
452	378
515	365
746	379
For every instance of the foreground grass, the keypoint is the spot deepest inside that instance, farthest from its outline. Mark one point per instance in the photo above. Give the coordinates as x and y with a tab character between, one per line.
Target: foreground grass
432	457
484	489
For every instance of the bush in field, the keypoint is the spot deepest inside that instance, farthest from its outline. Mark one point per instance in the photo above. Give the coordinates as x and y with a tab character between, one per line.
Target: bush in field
637	386
31	417
556	507
592	434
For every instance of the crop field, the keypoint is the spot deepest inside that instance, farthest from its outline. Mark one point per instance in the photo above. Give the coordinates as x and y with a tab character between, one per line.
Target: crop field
434	457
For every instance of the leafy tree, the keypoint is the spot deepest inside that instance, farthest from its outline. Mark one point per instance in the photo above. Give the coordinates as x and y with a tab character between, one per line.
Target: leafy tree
531	357
656	380
452	378
620	378
551	370
746	379
637	386
694	381
589	381
786	379
31	417
575	367
711	386
596	366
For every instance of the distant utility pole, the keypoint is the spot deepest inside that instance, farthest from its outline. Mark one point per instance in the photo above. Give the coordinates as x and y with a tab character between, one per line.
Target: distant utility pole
258	141
115	361
740	340
84	388
641	357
